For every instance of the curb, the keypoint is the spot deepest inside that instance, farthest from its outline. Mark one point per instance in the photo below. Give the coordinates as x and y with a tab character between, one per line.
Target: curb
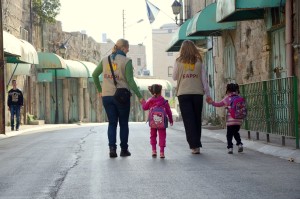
44	127
287	153
292	155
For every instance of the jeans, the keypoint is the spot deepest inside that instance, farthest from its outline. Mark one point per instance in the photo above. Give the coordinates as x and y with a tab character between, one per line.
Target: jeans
233	131
191	111
117	112
15	111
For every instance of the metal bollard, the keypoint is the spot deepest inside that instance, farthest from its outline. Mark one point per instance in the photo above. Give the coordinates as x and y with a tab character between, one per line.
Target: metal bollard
268	137
283	140
257	135
249	135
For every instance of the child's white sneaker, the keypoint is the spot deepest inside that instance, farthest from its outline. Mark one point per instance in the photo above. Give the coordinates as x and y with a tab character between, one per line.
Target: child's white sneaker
240	148
230	151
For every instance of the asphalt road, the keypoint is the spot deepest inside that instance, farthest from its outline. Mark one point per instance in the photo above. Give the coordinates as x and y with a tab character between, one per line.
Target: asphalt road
74	164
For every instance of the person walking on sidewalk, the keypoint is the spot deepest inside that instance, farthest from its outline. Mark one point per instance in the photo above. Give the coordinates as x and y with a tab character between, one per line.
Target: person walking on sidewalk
116	112
191	86
159	113
233	125
14	103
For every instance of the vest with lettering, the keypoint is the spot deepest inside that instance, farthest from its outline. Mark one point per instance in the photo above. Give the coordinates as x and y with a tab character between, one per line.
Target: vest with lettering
189	79
118	65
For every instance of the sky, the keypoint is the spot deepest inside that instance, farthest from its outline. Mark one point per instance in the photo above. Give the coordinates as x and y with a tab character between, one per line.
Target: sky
96	17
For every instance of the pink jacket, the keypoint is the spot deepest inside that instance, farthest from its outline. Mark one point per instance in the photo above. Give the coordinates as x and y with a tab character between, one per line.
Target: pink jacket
226	101
154	101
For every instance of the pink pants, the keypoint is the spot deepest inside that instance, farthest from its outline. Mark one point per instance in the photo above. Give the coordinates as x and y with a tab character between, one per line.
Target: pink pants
162	138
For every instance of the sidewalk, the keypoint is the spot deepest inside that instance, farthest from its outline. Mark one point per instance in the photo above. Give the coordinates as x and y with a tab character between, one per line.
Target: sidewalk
39	128
272	148
285	152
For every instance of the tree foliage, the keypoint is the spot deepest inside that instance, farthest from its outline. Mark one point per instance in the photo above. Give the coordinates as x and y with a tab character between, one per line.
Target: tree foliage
47	10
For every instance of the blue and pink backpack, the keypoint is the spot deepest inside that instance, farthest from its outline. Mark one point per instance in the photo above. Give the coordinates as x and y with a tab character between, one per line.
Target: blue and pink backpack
238	108
158	117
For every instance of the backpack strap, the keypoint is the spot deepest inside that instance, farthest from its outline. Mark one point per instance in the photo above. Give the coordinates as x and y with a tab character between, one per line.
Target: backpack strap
233	97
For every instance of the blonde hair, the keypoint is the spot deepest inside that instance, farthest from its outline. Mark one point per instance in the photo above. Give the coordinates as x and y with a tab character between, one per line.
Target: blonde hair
119	45
189	53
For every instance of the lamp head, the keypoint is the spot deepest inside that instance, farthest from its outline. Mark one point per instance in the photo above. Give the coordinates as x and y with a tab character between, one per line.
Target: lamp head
176	7
62	49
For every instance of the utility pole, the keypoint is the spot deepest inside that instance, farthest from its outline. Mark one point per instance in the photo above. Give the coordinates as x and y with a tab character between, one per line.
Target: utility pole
2	78
123	24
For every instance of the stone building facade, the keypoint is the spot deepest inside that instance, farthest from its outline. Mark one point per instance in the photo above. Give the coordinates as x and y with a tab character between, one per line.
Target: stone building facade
20	21
252	45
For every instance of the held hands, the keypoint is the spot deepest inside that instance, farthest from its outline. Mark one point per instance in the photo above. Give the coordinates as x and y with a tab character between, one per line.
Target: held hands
171	123
209	100
142	100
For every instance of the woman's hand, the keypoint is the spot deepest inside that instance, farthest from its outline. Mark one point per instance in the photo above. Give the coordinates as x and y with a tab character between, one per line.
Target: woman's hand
100	95
209	100
142	100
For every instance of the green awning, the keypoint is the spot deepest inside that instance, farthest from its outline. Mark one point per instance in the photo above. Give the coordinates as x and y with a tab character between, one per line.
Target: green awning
11	45
143	83
30	54
50	61
74	69
240	10
21	69
90	67
18	51
179	36
204	23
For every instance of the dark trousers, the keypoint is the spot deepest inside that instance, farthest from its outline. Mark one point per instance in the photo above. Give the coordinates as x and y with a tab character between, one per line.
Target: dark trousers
233	131
117	113
15	111
191	111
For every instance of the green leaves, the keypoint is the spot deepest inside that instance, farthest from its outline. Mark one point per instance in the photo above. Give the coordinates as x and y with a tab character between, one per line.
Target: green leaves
47	10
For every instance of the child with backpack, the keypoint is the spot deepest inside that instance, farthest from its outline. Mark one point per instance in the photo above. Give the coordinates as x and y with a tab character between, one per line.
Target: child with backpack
236	112
159	113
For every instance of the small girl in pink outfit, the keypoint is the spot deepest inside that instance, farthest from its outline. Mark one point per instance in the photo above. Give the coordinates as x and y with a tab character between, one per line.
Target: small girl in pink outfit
233	125
158	100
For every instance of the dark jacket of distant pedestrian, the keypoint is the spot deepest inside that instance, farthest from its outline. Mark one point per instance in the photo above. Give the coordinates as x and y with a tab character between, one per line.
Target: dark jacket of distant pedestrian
14	103
192	84
116	113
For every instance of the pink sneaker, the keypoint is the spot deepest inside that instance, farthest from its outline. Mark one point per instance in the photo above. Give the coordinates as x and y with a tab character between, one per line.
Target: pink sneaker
154	154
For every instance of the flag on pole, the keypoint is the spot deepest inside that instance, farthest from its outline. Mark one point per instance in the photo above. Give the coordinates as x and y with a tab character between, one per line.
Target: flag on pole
152	11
